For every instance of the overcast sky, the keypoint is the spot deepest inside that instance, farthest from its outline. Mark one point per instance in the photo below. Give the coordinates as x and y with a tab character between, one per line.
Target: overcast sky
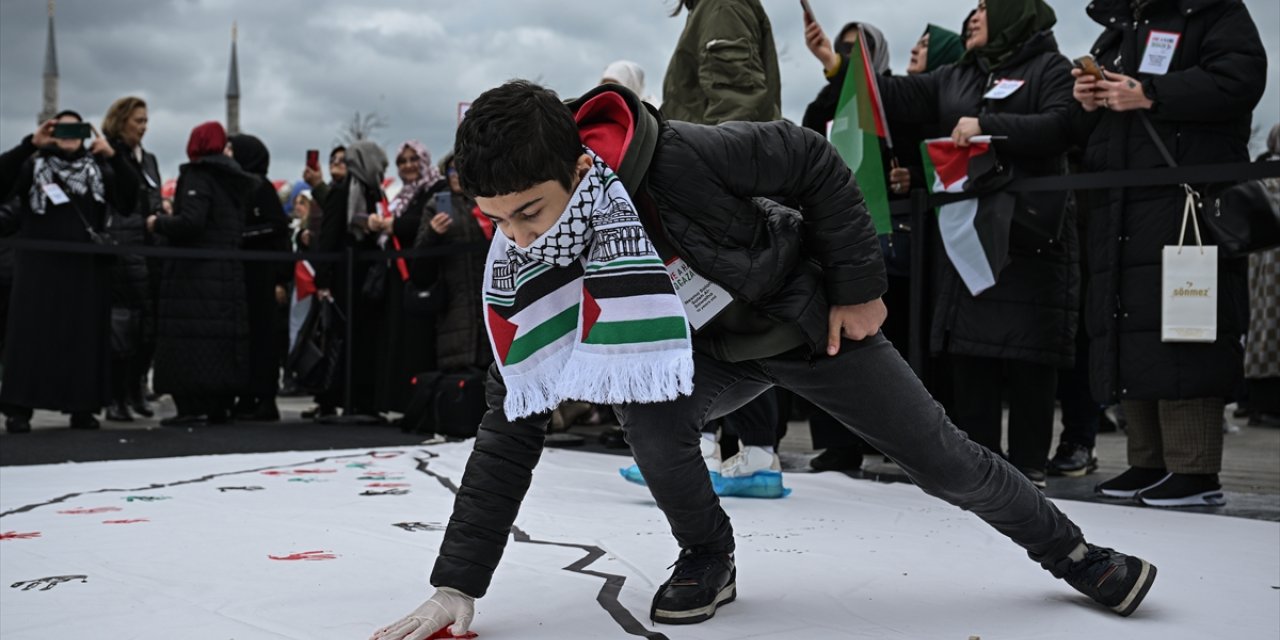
306	66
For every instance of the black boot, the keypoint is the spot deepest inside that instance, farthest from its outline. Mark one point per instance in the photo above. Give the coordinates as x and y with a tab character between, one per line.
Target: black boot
266	411
700	583
84	421
17	424
1111	578
118	412
138	403
838	459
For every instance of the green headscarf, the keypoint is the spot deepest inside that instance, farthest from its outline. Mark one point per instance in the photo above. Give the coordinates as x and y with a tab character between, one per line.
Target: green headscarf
1010	24
945	47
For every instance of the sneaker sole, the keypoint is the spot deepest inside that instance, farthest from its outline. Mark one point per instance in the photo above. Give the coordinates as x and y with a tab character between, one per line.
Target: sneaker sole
1206	499
1074	473
1145	579
701	614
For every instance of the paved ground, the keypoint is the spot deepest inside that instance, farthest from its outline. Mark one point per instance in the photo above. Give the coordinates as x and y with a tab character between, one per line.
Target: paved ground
1251	473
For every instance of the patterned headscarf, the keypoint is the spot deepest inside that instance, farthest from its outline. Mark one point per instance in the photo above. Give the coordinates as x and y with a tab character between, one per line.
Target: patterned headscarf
428	175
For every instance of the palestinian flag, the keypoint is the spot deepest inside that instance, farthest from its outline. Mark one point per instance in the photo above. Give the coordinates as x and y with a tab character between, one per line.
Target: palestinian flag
975	232
856	132
304	279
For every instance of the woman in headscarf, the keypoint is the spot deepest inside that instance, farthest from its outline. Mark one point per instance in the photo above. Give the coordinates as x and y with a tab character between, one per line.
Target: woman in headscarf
842	450
266	228
406	345
460	341
629	75
56	354
353	219
1011	338
202	353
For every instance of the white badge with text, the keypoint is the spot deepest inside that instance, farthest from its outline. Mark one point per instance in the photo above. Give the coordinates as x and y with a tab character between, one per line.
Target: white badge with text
55	193
1159	53
1004	88
703	299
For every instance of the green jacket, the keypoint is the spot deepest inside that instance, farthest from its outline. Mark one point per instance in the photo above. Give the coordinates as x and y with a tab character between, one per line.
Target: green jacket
725	66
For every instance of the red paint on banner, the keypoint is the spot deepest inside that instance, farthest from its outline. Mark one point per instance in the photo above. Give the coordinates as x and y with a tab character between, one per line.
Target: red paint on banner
80	511
14	535
134	521
444	634
297	472
307	555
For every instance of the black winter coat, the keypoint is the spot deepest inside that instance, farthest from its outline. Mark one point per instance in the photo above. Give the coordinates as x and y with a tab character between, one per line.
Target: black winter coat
56	354
266	228
791	265
203	347
1203	111
1032	312
130	280
461	342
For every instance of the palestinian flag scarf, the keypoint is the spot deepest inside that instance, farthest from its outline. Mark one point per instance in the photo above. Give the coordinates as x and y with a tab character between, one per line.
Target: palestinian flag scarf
587	311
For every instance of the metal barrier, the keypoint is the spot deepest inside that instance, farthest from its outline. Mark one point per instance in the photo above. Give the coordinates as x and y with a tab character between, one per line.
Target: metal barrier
918	205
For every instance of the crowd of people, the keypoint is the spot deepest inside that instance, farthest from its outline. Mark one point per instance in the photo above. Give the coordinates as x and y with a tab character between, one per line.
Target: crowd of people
1072	318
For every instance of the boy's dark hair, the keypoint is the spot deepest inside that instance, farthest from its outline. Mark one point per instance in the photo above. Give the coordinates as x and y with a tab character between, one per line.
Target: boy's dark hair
514	137
334	153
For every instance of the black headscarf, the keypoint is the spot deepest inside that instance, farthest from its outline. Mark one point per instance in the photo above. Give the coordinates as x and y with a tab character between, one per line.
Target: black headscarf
250	154
1010	24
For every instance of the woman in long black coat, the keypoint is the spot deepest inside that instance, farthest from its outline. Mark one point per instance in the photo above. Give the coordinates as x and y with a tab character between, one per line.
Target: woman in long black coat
1200	102
266	228
56	355
407	343
202	356
349	207
1011	338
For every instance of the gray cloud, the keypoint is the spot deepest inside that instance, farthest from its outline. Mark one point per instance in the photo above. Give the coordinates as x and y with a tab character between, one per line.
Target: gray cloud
307	65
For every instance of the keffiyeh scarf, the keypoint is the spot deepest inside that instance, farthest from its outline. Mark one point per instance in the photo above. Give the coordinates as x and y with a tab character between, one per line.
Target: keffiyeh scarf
587	311
80	176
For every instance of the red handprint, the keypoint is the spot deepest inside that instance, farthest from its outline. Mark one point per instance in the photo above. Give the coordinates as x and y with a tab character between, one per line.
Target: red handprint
14	535
307	555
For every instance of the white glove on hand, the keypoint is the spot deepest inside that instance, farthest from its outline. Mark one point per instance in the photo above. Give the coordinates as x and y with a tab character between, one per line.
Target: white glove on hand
445	606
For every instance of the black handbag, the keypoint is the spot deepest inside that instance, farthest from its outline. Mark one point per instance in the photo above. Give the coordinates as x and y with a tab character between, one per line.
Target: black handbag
1242	220
316	358
425	302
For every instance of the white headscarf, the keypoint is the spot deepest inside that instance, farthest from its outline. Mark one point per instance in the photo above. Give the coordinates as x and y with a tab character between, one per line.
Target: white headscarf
629	75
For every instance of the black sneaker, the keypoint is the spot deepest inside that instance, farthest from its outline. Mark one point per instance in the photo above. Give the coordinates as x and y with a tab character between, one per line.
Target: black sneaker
1073	461
838	459
84	422
1185	490
1128	484
319	411
1111	578
17	425
1036	476
700	583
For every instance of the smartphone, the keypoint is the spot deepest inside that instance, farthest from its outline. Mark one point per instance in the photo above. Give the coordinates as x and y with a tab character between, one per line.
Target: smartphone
313	159
1087	64
72	130
444	203
808	11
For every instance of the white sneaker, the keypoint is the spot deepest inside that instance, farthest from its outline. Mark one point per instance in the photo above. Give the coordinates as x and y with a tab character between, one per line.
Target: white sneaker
710	455
748	461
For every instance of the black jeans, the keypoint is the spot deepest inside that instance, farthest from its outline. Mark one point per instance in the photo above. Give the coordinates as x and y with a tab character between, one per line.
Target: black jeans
980	385
868	387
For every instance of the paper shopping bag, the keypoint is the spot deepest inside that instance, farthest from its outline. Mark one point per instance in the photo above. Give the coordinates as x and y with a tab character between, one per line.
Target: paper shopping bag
1189	307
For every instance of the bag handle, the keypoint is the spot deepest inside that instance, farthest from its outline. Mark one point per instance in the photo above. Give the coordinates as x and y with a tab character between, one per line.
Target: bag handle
1189	211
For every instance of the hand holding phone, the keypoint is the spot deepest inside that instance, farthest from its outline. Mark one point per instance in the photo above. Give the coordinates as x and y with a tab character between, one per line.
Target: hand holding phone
72	131
313	159
1088	65
808	11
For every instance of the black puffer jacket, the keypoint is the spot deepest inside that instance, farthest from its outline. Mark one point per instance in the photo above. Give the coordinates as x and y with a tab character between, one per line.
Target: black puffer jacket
1031	314
1203	111
130	281
203	317
705	182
